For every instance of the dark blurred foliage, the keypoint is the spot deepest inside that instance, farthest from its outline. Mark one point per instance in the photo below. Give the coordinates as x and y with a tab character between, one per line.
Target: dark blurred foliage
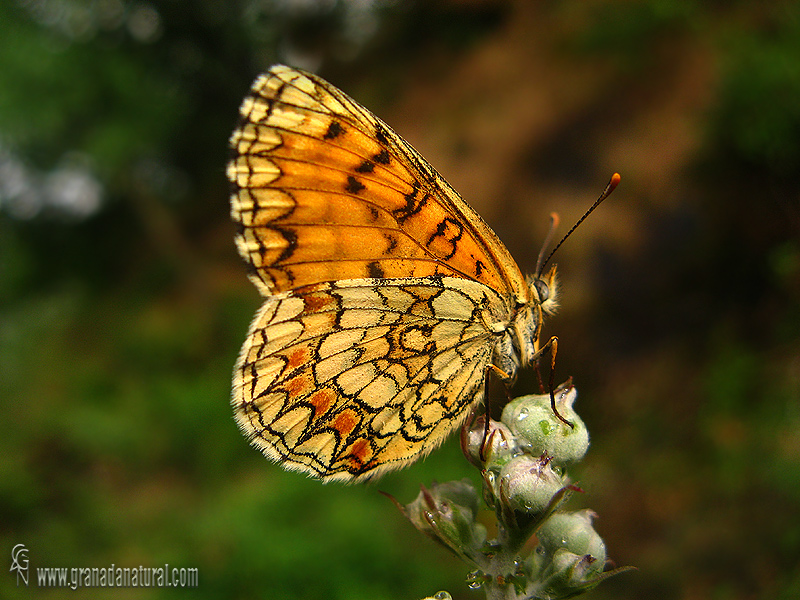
123	303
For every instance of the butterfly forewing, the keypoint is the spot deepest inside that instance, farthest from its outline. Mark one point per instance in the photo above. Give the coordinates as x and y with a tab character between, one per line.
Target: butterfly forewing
326	191
387	296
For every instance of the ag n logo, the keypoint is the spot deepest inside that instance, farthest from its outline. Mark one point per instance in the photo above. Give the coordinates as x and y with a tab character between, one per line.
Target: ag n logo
19	562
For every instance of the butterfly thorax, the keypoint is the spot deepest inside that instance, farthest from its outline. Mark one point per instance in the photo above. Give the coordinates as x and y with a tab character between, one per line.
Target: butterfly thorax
518	348
525	327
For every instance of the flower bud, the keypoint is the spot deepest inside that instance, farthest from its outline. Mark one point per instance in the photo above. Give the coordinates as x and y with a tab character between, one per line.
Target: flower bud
446	512
573	532
490	449
570	574
532	421
570	556
529	484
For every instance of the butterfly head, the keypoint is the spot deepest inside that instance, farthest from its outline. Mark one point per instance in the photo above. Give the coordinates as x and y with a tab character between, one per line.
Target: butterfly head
544	290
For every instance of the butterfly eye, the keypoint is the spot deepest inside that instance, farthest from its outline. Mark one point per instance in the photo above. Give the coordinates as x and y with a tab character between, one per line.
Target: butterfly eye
542	290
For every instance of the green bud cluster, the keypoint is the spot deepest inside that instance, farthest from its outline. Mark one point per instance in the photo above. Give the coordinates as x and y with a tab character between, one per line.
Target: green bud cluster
523	460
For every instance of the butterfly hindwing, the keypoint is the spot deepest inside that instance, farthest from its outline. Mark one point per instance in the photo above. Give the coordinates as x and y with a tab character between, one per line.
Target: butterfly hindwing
349	378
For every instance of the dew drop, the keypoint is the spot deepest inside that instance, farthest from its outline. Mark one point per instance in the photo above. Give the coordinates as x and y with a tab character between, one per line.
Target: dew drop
475	579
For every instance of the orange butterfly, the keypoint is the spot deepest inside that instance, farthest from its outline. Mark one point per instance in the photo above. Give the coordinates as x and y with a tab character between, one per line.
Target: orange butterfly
387	297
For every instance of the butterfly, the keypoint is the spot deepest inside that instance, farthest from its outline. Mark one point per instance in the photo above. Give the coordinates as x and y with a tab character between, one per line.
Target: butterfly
386	297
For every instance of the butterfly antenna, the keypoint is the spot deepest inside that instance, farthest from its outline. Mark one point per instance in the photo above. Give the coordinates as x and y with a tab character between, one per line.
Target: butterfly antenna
554	220
612	184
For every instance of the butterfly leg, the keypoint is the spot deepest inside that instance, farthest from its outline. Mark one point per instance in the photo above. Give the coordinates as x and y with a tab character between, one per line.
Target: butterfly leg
504	377
552	347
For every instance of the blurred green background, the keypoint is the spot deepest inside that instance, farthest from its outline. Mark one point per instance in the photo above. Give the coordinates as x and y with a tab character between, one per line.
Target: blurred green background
123	302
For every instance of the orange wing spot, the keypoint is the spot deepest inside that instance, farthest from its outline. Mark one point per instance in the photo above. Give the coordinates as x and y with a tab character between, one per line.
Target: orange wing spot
299	385
319	302
299	357
360	452
346	422
322	400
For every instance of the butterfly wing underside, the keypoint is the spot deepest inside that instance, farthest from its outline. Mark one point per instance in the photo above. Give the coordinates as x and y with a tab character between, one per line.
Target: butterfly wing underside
351	378
381	285
324	190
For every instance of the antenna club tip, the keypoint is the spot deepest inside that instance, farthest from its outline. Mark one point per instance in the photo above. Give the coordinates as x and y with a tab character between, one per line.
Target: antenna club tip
615	179
554	219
